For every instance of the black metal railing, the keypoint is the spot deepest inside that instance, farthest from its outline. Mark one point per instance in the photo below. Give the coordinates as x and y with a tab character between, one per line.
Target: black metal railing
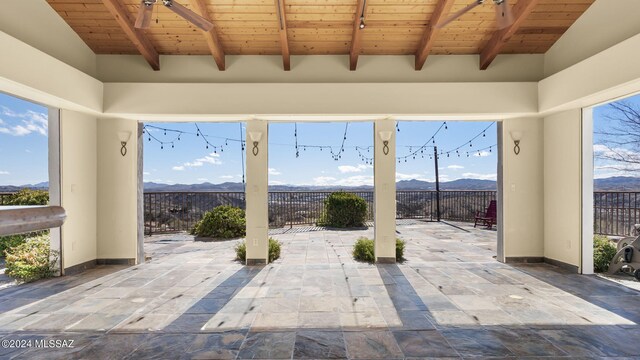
4	197
615	212
166	212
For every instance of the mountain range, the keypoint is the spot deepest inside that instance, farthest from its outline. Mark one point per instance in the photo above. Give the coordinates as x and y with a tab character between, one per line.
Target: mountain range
617	183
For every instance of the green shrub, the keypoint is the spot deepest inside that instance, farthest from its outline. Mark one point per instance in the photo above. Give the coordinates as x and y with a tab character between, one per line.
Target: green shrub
224	222
400	249
603	252
9	242
31	260
364	250
29	197
274	250
344	210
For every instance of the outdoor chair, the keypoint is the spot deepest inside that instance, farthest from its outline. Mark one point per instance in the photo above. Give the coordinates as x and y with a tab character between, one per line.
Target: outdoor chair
490	216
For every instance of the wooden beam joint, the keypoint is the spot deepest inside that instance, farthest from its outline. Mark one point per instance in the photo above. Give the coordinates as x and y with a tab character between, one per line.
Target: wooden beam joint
137	36
211	36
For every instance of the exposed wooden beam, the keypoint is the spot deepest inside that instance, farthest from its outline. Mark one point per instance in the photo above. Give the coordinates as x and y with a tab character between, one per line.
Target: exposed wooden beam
356	35
211	36
284	39
439	13
136	36
500	37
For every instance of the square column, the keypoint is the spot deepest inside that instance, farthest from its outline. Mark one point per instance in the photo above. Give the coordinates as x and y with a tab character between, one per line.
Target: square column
257	192
384	174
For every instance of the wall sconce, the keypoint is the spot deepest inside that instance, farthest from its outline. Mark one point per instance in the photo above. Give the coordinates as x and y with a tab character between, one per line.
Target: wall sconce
255	137
516	136
124	137
385	136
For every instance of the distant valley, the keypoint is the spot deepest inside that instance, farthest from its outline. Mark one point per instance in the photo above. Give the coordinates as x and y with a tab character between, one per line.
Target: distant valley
618	183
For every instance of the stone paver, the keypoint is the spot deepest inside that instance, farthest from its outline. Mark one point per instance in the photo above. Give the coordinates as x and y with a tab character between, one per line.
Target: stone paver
449	299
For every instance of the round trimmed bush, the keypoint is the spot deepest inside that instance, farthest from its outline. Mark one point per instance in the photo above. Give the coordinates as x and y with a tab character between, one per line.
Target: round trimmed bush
31	260
344	210
603	252
224	222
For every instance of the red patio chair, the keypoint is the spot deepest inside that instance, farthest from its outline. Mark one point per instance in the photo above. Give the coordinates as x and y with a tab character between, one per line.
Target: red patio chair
490	216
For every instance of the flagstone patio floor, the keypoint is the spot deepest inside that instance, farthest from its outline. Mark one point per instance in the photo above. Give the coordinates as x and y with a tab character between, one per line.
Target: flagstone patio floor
449	299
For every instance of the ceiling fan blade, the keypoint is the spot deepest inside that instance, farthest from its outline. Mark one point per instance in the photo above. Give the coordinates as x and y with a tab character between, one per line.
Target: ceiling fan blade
504	15
145	13
189	15
458	13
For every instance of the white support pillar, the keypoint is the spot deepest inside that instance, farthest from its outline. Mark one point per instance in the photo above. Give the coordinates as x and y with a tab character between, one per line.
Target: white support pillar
587	191
384	171
55	192
257	192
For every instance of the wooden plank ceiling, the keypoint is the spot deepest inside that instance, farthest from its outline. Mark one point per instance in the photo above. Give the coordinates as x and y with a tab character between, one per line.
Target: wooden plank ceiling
313	27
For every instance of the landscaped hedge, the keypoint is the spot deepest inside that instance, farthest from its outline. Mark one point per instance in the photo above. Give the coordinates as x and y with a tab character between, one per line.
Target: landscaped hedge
224	222
31	260
364	250
344	210
603	252
274	250
28	197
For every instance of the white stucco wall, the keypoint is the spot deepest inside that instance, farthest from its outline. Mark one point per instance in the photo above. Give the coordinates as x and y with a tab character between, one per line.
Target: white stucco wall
37	24
605	23
117	191
523	189
562	191
79	175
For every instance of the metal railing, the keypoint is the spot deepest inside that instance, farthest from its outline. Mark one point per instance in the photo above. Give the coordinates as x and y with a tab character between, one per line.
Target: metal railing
615	212
166	212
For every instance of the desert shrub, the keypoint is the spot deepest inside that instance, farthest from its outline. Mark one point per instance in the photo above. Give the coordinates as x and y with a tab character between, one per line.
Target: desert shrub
274	250
364	250
344	210
29	197
31	260
400	244
603	252
224	222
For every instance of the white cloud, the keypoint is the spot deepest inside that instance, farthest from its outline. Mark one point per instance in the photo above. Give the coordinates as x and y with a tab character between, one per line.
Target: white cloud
146	173
470	175
212	159
4	173
275	182
606	164
482	153
324	180
203	179
226	177
353	169
29	122
455	167
273	171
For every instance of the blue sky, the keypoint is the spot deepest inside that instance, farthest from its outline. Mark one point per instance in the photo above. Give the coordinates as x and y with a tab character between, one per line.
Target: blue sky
23	150
189	161
23	142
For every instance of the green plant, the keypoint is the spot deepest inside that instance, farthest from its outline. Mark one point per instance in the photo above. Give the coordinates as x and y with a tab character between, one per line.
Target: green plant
364	250
9	242
31	260
400	244
603	252
224	222
274	250
344	210
29	197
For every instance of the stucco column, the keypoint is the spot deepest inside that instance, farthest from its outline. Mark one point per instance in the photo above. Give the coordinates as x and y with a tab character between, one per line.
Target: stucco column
257	193
384	172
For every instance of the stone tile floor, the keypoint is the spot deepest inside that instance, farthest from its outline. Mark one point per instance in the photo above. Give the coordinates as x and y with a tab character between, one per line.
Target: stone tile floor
450	299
